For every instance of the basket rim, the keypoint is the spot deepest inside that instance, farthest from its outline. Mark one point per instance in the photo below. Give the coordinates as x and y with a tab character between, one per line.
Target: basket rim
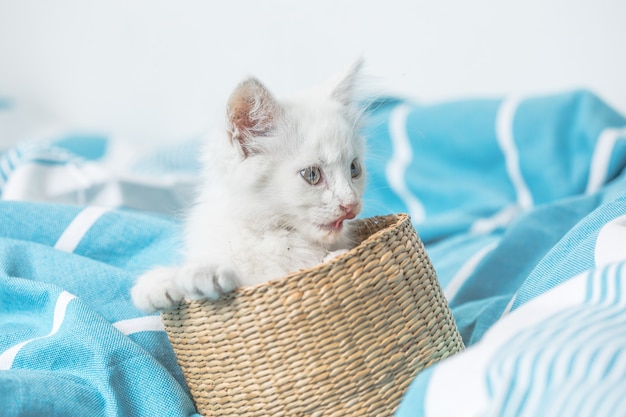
395	221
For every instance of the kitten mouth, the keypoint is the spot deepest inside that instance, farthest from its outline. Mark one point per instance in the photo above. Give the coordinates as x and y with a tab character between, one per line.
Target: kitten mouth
336	225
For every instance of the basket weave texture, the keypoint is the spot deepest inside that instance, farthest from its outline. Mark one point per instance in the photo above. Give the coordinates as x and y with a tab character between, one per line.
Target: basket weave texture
341	339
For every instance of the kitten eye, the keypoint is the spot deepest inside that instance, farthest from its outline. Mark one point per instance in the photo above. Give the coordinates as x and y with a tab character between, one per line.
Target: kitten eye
312	175
355	168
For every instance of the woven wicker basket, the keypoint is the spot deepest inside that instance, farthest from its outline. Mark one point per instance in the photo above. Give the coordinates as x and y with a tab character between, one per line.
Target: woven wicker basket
342	339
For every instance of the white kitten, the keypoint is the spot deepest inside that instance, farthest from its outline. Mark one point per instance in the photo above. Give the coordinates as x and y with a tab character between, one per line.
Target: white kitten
278	185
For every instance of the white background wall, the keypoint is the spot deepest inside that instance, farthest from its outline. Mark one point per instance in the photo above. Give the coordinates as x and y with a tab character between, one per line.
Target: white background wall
151	70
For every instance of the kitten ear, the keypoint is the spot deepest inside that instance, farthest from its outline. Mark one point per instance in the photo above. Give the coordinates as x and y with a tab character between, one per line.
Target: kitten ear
344	88
252	112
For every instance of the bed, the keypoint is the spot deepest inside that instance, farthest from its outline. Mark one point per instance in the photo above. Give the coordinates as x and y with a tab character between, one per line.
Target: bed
520	202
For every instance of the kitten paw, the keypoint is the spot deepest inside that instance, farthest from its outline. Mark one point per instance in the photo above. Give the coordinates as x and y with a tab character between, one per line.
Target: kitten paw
198	281
156	290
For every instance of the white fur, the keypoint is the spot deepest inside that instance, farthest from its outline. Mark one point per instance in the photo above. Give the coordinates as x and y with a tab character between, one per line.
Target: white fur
256	218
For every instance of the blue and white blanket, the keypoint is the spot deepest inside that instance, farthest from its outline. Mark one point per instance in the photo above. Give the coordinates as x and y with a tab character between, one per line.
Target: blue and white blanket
521	203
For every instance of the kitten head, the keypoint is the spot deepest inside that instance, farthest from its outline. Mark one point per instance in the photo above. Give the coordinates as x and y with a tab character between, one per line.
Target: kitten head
301	159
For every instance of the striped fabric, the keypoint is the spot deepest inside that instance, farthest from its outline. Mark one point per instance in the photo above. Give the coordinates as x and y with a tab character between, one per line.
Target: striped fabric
71	342
524	205
521	203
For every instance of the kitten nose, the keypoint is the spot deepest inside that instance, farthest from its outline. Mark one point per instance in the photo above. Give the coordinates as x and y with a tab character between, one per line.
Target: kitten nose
349	210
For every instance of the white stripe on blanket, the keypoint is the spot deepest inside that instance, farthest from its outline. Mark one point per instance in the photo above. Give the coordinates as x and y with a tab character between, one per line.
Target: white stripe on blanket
602	157
5	170
7	358
504	134
466	271
140	324
611	242
400	160
81	224
500	219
